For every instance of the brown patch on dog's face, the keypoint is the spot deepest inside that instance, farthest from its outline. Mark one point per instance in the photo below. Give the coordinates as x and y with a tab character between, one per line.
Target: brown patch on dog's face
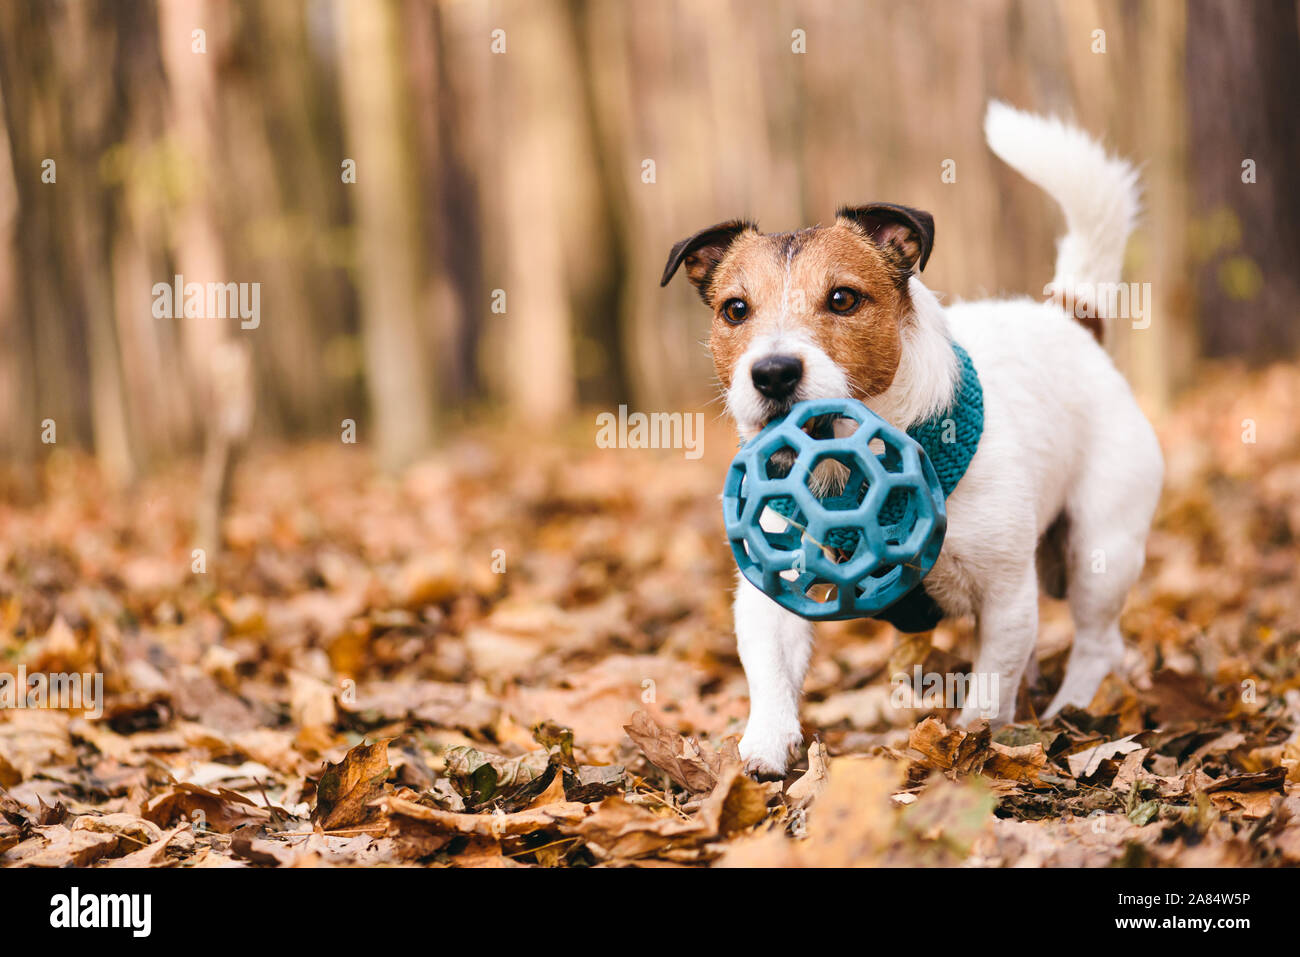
832	284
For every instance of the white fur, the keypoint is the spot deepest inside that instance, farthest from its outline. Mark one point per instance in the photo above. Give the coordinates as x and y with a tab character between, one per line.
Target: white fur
1062	433
1098	193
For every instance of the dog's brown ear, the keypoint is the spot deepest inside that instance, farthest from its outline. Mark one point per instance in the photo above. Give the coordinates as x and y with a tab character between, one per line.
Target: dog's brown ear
906	233
702	252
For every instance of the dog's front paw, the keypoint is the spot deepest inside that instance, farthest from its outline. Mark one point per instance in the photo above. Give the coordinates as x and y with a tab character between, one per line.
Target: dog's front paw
767	754
972	715
985	703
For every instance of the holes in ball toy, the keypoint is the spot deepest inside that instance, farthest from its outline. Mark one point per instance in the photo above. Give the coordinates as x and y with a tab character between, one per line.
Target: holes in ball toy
838	481
780	460
829	426
824	593
890	456
842	543
822	424
773	520
898	514
781	522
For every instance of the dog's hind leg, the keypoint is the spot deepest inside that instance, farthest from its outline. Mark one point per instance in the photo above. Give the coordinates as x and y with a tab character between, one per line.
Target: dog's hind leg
1095	604
1052	573
1104	563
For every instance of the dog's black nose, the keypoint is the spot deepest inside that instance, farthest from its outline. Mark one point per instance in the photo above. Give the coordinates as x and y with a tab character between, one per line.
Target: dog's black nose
777	376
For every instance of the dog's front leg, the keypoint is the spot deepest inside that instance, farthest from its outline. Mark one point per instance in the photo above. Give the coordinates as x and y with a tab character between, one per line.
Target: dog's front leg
1008	631
774	646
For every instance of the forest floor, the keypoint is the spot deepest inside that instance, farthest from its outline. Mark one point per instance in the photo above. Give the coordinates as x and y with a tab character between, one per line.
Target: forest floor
519	653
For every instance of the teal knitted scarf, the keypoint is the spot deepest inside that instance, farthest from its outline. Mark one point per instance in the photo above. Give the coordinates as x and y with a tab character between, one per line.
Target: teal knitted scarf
951	437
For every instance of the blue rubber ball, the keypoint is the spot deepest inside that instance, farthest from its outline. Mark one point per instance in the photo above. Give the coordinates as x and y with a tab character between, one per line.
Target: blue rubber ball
831	520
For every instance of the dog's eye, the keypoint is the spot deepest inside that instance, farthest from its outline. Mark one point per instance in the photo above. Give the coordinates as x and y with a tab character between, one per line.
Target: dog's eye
843	300
735	311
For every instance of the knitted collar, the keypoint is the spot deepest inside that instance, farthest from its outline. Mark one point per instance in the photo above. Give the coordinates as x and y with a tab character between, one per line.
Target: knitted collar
951	437
950	440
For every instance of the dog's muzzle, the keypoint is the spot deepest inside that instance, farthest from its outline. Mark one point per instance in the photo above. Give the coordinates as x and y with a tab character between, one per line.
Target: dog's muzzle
777	377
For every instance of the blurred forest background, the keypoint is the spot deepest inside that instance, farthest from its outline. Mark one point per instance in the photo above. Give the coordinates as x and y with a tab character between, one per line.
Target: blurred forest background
501	146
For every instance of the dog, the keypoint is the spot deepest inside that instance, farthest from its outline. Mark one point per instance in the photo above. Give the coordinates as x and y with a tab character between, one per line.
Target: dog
1065	481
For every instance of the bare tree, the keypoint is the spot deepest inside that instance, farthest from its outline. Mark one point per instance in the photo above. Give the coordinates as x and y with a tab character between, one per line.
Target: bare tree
376	125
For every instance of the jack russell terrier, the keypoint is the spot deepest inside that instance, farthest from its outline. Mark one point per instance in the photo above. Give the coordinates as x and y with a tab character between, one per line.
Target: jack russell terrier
1067	473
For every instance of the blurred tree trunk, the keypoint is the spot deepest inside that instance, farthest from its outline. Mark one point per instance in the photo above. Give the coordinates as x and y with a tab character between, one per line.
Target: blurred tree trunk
159	386
538	213
58	109
1162	347
1243	83
95	124
452	280
225	397
538	343
18	424
376	122
602	289
48	376
273	98
197	232
1130	95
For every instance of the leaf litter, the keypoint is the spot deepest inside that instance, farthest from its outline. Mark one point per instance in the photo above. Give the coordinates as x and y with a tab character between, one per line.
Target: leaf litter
482	665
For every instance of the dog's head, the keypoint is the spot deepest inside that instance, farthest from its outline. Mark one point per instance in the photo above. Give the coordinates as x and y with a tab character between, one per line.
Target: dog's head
812	314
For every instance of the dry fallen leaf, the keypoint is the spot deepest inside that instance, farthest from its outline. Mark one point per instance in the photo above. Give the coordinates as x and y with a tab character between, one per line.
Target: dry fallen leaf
219	810
421	830
179	839
852	824
684	760
737	802
1084	764
347	788
1252	804
9	775
618	830
58	846
812	782
950	749
554	794
1023	763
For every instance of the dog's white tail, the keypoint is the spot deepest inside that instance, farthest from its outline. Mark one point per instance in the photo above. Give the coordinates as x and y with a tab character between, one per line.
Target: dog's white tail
1099	194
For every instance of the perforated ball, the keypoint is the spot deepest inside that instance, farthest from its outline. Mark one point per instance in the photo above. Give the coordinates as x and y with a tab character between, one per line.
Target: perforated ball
833	512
